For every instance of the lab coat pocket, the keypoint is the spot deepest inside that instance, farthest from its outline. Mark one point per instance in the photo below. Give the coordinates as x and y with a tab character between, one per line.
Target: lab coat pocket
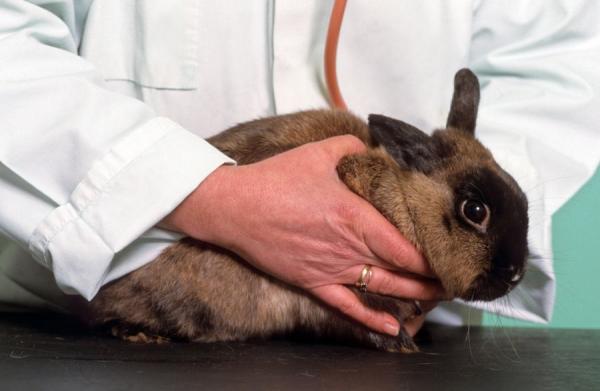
152	43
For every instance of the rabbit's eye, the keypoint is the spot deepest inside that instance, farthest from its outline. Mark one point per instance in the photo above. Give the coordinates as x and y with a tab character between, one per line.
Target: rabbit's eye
476	213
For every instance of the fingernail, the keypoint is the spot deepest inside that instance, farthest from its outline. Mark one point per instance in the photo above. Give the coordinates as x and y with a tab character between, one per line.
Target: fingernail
392	329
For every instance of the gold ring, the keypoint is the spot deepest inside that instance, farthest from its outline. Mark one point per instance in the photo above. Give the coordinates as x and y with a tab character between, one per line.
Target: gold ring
364	279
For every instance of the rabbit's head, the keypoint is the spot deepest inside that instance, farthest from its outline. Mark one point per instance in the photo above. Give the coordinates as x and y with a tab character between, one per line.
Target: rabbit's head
469	216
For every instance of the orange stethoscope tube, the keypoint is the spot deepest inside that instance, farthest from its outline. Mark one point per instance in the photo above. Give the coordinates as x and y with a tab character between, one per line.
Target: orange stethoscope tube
333	35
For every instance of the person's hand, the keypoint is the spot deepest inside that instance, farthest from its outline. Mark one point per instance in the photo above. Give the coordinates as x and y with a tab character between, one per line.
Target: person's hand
292	217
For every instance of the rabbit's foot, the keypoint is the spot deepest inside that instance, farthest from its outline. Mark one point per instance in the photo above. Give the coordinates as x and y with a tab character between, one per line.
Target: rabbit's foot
402	310
403	343
126	334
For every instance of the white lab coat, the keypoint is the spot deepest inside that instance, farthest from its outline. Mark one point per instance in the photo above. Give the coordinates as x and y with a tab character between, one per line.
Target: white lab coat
102	103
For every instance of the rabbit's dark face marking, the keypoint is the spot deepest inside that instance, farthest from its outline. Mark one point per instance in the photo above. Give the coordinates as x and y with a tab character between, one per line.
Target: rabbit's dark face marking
505	235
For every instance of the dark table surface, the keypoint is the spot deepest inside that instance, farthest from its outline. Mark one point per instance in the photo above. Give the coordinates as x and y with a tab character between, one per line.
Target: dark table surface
51	352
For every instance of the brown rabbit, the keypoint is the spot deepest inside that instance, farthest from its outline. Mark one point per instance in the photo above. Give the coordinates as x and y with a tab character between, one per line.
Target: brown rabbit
444	192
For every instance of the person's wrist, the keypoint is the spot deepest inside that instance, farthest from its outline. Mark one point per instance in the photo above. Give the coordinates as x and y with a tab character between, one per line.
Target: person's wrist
198	214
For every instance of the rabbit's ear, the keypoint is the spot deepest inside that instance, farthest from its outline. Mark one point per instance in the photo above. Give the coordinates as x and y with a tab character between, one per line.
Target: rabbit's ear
409	146
465	101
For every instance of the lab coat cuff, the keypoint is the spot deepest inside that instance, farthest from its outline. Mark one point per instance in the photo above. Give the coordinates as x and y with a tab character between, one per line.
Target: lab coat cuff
135	185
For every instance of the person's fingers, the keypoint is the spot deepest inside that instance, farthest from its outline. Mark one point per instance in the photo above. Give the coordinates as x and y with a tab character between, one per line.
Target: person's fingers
340	146
385	282
387	243
344	300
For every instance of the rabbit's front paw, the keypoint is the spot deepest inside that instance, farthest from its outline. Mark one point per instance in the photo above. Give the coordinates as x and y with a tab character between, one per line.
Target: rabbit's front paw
403	343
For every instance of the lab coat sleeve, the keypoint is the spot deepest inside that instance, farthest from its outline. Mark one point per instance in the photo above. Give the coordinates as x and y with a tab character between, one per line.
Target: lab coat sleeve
83	171
538	66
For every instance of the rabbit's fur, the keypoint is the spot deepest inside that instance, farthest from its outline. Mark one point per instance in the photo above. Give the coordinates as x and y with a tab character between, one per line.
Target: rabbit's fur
420	183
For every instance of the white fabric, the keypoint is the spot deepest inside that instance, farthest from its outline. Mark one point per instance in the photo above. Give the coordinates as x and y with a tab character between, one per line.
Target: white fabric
207	65
84	171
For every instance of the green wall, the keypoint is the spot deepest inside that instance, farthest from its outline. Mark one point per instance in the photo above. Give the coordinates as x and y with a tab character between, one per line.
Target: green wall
576	244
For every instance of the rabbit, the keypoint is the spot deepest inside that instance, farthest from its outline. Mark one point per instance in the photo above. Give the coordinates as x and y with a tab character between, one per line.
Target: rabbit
444	192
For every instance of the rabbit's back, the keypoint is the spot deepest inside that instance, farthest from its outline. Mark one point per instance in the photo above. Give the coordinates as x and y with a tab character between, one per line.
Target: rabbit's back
253	141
